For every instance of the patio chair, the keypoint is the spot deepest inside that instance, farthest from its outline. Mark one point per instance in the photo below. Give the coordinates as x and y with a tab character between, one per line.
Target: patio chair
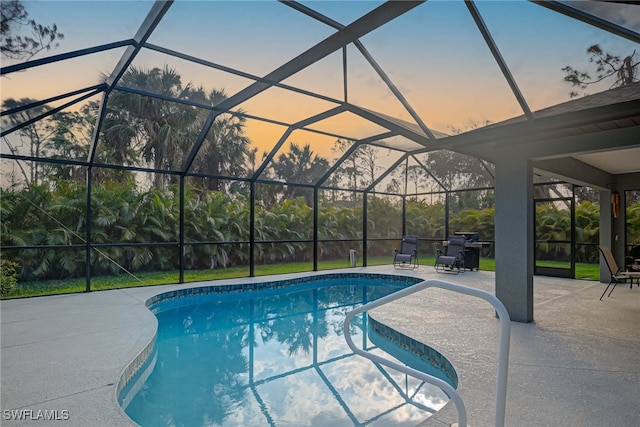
407	256
453	258
618	275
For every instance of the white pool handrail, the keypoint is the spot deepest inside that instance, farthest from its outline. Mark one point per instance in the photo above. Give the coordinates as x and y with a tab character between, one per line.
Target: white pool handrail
503	354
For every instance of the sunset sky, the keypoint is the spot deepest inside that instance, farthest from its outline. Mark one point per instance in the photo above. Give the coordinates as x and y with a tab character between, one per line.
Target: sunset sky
434	54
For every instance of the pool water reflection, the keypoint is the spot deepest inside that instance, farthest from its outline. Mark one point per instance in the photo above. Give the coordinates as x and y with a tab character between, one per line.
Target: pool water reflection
275	358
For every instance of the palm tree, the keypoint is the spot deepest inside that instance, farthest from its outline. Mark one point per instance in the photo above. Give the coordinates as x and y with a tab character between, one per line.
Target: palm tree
206	219
226	147
160	131
25	221
587	231
301	166
118	135
552	224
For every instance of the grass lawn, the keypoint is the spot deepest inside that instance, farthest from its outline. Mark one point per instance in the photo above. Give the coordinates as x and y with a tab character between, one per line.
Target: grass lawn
55	287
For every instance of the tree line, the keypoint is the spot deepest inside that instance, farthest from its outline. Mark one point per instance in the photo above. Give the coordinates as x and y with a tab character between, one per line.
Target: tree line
134	224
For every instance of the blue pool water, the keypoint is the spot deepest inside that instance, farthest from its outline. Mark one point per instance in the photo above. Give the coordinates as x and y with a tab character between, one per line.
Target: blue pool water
276	357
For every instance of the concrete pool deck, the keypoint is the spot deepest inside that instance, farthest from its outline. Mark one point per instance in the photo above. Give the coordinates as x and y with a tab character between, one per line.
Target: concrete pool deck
578	364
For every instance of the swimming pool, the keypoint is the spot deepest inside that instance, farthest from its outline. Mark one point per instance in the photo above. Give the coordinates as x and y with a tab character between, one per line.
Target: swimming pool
273	354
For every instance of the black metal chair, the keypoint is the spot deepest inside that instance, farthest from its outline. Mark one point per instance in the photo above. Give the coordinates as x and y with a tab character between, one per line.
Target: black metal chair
407	256
453	258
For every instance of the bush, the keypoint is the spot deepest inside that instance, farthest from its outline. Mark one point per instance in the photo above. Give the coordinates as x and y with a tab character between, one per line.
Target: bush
8	276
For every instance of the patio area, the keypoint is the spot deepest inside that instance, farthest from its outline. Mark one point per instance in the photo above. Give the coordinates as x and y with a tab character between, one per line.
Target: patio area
578	364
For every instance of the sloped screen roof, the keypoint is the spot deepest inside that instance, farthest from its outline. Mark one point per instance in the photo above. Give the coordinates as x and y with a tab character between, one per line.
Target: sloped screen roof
398	75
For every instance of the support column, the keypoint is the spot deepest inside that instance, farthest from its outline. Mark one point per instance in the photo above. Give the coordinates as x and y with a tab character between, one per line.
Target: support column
514	218
606	232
